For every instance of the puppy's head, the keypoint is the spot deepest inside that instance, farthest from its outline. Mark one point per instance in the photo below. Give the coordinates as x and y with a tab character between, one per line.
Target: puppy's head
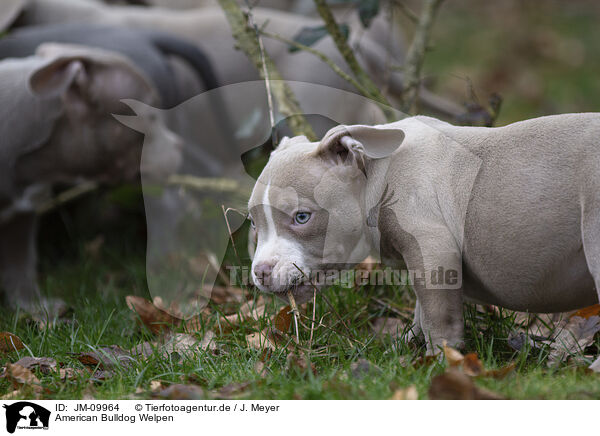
307	207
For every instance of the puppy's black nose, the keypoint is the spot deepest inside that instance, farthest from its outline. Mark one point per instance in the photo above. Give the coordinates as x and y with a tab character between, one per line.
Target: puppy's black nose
262	272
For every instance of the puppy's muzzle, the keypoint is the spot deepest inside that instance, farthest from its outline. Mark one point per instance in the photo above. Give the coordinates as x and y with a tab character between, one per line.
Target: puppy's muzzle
263	272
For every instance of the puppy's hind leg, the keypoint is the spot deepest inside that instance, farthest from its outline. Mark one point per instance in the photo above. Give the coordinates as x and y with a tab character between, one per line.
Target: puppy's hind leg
590	235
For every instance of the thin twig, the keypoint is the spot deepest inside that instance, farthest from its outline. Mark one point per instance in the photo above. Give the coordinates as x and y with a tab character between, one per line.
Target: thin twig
328	302
67	196
312	323
295	312
274	139
406	11
245	38
230	234
416	54
346	51
336	69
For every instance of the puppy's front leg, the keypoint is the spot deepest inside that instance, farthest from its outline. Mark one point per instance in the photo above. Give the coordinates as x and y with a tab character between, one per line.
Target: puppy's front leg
437	273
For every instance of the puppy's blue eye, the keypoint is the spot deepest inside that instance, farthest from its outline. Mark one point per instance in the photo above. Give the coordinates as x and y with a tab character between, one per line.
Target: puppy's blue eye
302	217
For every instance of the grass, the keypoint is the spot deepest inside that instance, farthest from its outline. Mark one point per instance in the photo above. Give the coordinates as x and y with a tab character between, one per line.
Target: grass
543	59
97	290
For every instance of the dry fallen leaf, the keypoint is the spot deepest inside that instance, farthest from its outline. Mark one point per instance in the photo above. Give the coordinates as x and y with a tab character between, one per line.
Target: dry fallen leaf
500	373
45	364
106	358
156	386
151	316
453	356
22	377
231	390
388	326
409	393
249	311
185	345
10	342
576	335
12	395
472	366
454	385
69	373
181	392
283	319
587	312
299	364
261	369
267	338
225	294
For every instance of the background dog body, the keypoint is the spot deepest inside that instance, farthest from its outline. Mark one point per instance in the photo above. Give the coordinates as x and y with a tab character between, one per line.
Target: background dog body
59	128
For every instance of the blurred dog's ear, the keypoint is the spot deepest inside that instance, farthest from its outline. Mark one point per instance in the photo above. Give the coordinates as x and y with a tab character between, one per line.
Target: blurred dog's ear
349	144
86	77
56	77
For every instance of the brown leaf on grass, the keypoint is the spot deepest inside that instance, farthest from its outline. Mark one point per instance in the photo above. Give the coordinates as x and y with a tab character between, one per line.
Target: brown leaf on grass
226	294
69	373
472	366
231	390
419	361
185	345
576	335
588	312
453	356
46	365
21	377
156	386
106	358
454	385
409	393
155	319
500	373
12	395
261	369
181	392
250	310
268	338
10	342
283	319
388	326
299	364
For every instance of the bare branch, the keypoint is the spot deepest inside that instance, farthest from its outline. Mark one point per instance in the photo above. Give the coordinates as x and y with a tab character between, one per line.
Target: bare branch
336	69
416	53
246	40
346	51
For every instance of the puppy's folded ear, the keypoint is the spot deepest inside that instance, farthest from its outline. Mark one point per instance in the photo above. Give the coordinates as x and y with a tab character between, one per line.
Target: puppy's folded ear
358	143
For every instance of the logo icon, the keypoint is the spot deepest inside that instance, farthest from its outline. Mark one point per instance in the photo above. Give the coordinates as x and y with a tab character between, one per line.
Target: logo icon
26	415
